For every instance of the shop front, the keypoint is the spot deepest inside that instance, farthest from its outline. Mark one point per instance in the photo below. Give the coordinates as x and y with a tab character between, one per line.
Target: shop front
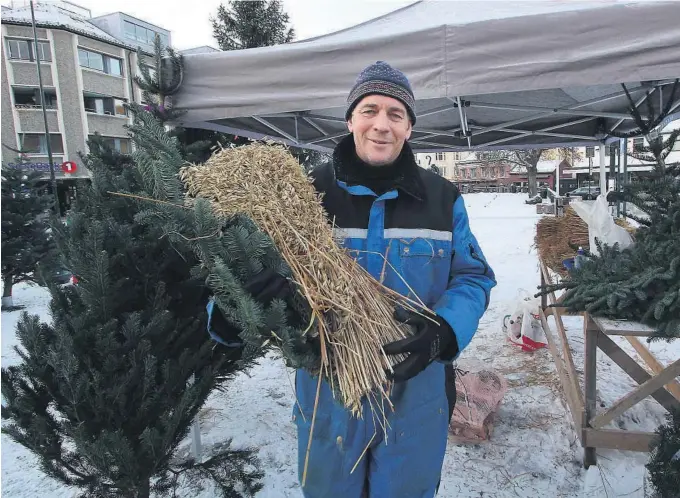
69	175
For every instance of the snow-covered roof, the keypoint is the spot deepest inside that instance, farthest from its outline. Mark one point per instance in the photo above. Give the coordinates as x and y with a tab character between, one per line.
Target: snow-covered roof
53	16
203	49
547	166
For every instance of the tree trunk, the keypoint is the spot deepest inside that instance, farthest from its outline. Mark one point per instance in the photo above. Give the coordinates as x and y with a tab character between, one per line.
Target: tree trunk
144	490
531	178
7	283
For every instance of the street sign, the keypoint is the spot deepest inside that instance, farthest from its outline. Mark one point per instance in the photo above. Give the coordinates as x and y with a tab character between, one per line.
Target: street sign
69	167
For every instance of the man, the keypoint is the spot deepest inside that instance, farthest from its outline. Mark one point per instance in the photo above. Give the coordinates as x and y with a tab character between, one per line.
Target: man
386	207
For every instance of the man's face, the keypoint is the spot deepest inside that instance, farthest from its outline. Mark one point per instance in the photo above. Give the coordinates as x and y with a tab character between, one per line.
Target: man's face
380	125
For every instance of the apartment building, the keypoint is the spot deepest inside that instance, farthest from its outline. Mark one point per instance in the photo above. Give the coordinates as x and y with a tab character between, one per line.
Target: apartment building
87	67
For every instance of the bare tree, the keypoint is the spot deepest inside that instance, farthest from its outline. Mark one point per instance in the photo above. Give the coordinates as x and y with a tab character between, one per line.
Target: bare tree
527	160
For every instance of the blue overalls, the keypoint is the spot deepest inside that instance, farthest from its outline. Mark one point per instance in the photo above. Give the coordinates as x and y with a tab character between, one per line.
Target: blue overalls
448	272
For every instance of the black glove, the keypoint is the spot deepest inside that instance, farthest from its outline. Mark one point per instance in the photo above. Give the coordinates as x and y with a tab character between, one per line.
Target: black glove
263	287
431	340
267	286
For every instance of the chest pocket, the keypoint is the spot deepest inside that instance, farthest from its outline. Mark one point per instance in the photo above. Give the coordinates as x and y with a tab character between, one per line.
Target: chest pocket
425	266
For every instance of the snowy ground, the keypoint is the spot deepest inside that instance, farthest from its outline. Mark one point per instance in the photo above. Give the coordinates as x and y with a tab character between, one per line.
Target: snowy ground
534	450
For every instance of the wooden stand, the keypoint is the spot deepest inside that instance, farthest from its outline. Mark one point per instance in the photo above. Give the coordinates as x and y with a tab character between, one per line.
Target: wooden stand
662	386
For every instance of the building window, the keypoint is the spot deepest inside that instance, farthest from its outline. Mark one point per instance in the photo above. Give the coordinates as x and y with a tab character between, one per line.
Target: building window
24	50
100	62
121	145
29	98
115	66
151	69
676	145
44	52
440	156
36	143
143	35
637	143
105	105
91	60
129	30
590	151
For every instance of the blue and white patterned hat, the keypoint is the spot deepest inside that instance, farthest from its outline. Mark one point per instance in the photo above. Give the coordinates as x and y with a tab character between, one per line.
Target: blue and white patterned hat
383	79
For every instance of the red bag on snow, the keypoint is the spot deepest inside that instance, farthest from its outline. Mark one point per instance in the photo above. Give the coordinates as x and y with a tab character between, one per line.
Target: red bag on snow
523	326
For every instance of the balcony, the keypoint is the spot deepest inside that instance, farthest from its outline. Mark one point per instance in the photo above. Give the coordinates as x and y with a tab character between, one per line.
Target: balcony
28	102
31	119
26	74
100	82
105	115
107	125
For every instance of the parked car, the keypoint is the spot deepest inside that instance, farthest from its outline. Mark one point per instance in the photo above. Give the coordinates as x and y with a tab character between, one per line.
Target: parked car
60	276
585	193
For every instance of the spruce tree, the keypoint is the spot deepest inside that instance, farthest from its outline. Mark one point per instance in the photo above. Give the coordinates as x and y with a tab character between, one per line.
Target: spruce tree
251	24
25	238
230	251
664	461
106	393
641	282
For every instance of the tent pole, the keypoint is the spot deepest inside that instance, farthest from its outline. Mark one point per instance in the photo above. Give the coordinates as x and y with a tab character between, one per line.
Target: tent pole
603	171
624	158
619	179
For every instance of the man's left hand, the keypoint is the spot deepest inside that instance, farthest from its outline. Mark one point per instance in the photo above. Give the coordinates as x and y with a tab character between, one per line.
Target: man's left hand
431	338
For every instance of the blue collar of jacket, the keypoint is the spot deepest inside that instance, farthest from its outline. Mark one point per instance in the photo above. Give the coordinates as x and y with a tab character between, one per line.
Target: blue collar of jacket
407	176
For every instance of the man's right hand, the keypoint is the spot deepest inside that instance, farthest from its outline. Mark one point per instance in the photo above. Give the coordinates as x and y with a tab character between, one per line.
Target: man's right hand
267	286
263	287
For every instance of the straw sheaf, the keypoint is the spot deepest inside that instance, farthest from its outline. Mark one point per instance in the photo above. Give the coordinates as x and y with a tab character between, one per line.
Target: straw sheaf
354	311
556	236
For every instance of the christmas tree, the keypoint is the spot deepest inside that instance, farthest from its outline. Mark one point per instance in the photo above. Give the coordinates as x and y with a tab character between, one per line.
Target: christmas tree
106	393
25	237
641	282
231	251
664	462
252	24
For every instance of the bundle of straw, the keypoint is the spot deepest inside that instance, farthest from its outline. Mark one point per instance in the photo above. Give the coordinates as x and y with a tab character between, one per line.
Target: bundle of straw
353	311
554	236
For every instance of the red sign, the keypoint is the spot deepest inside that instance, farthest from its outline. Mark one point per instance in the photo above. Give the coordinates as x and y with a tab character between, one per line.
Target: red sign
69	167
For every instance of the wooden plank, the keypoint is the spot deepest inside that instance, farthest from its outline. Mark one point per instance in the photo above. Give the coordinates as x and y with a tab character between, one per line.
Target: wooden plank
577	396
632	368
656	366
559	365
590	384
636	395
618	440
623	327
544	298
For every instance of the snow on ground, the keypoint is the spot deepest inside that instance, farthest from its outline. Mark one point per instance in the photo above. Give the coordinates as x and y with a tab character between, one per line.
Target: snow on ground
534	450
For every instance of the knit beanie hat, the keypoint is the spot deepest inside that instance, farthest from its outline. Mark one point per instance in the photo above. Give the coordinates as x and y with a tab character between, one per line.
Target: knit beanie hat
383	79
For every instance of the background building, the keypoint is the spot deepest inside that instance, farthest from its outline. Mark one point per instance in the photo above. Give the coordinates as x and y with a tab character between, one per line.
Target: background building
466	170
87	66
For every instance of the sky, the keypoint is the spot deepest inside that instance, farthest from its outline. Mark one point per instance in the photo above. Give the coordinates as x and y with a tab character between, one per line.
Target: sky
189	20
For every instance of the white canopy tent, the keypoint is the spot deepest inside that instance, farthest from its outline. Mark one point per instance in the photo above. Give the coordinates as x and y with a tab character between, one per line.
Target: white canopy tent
486	75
